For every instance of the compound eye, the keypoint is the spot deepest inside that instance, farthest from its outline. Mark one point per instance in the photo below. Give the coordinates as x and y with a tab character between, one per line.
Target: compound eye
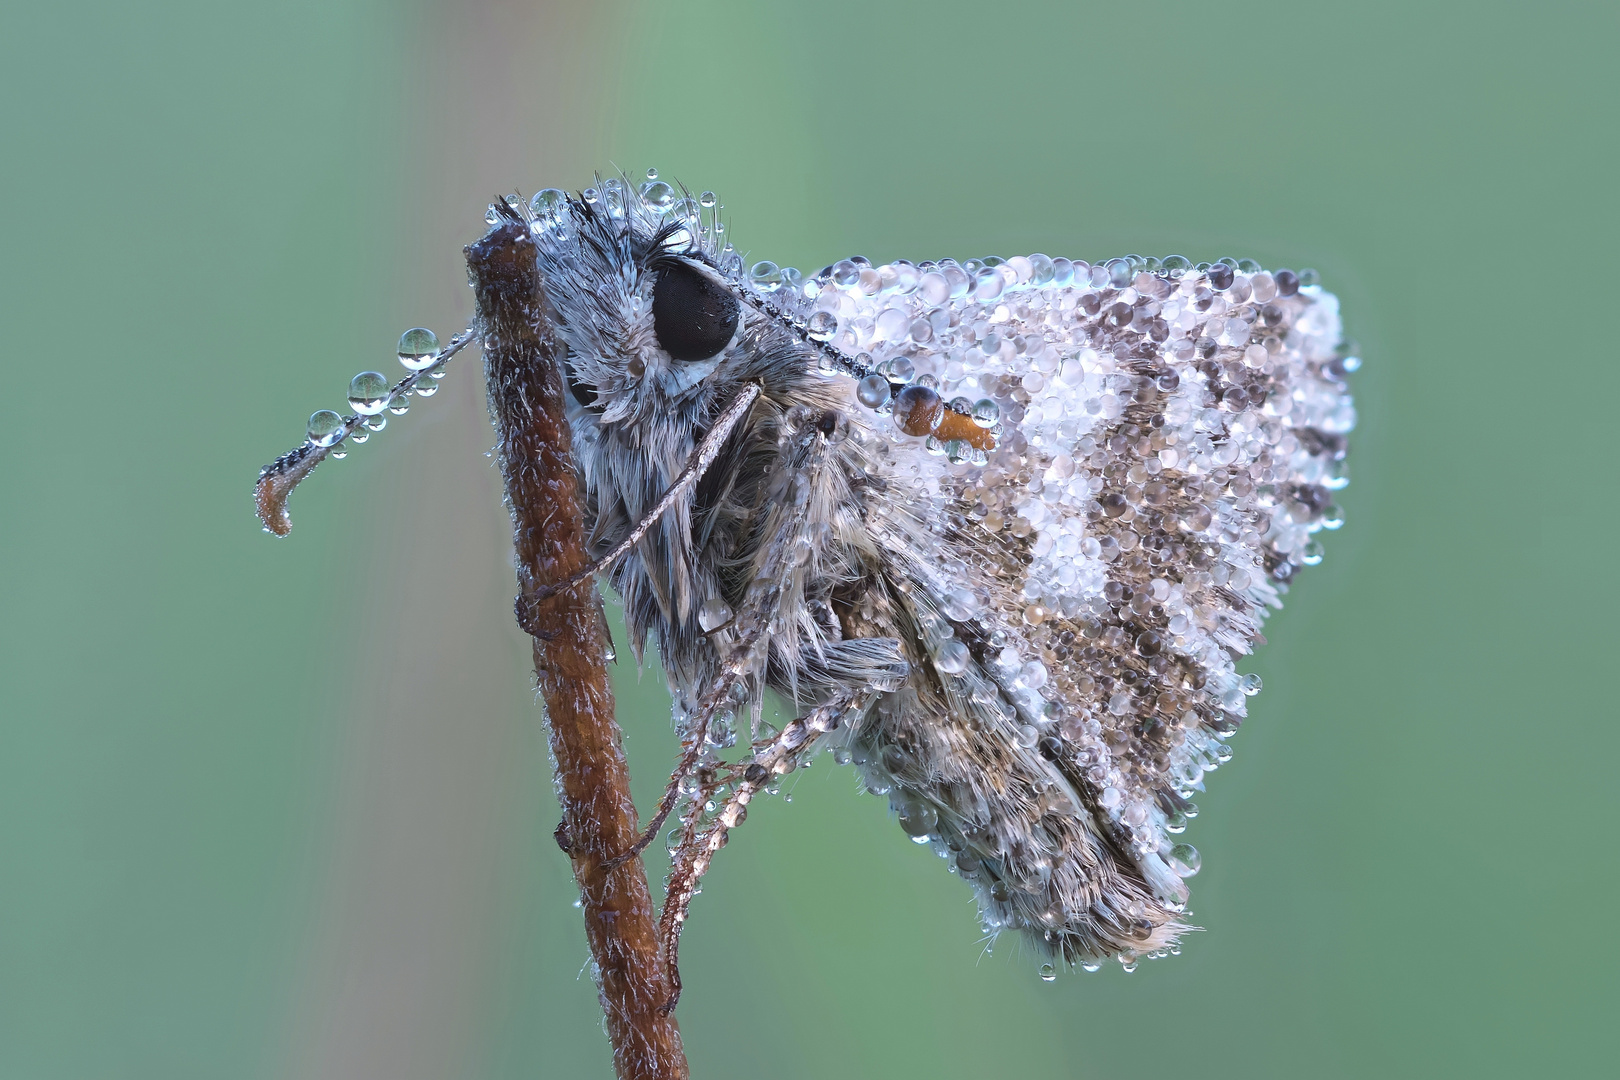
694	315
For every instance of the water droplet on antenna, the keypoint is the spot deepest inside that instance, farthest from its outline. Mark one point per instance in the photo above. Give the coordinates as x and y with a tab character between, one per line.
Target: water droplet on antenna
368	393
417	348
872	391
325	427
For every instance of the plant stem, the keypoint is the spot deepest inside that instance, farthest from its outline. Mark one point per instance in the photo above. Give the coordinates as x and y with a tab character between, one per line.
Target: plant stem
521	358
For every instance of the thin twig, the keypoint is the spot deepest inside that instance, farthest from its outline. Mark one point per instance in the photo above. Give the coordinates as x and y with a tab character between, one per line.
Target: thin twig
599	818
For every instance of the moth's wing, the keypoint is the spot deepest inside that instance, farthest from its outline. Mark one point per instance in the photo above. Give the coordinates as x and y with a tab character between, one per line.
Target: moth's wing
1163	453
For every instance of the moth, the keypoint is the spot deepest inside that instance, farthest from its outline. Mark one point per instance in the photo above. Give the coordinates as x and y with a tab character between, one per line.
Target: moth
996	532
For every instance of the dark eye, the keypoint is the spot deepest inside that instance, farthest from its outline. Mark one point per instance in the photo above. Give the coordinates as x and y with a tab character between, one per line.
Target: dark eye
693	314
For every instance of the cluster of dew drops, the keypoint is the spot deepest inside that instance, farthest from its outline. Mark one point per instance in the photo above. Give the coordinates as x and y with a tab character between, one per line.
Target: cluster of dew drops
655	199
373	397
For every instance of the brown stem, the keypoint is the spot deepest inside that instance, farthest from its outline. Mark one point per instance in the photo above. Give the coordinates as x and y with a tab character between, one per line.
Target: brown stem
598	816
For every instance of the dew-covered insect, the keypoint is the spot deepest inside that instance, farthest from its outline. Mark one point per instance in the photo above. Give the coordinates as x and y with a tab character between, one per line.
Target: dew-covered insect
996	532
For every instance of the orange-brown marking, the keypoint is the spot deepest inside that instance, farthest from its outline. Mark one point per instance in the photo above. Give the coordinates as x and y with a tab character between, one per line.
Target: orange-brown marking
953	425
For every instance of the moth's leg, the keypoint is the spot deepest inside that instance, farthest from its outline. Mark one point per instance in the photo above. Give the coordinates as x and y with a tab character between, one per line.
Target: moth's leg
690	474
741	661
771	758
806	456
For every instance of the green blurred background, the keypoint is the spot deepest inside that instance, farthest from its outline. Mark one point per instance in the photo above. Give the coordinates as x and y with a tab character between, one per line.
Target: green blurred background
282	808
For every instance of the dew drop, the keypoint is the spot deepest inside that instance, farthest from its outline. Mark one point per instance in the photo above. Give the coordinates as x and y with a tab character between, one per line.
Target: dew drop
657	195
417	348
707	199
1048	973
900	369
400	404
952	657
1250	684
872	391
919	820
765	274
714	613
1185	860
368	393
961	605
822	326
425	388
918	410
934	288
1091	965
986	413
325	427
988	284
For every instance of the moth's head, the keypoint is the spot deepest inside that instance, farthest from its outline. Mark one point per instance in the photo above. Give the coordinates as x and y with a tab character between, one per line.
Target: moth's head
645	296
